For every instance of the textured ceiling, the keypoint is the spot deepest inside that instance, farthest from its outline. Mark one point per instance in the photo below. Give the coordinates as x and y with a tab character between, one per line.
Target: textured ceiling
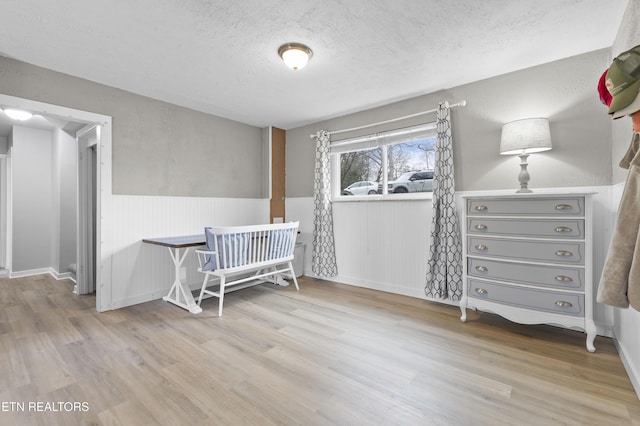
221	57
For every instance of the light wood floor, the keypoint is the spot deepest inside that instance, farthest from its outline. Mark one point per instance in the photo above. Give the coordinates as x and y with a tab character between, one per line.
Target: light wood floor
327	355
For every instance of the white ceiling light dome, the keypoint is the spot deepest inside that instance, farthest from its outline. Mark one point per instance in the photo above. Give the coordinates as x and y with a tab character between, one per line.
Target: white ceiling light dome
295	55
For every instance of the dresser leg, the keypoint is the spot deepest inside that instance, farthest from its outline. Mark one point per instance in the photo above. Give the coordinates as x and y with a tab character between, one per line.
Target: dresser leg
463	308
591	334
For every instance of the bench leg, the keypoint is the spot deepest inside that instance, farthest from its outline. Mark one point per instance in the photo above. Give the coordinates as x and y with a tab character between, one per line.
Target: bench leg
222	282
204	285
293	275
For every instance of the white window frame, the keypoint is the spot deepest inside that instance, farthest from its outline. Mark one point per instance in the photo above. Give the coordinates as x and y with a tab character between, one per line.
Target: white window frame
336	192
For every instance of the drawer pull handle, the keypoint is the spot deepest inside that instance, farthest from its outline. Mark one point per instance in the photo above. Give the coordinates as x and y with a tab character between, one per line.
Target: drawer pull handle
563	253
481	268
563	304
481	208
481	247
564	207
563	229
564	278
480	290
481	227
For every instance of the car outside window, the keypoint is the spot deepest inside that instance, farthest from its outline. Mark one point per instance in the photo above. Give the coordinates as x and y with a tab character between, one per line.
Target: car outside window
361	188
384	164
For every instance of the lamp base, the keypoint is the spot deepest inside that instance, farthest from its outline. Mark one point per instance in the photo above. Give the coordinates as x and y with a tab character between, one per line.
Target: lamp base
523	177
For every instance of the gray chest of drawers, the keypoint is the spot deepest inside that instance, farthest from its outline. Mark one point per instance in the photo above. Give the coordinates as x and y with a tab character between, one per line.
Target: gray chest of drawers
528	259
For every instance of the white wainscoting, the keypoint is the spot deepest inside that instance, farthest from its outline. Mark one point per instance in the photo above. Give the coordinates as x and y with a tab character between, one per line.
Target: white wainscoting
143	272
382	245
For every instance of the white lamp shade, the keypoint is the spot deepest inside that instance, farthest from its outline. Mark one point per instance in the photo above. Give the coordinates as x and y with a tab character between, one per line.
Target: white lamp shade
525	136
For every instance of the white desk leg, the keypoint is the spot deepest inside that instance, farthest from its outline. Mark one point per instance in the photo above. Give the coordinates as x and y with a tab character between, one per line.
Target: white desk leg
178	295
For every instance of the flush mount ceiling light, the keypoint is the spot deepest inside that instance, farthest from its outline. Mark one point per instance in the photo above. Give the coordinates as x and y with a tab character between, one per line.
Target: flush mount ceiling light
295	55
18	114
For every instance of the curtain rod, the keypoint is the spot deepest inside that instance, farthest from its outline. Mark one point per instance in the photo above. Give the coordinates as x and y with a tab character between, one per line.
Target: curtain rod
391	133
461	103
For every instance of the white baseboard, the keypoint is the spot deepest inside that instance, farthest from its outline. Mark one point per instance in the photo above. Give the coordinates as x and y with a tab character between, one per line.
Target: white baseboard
31	272
55	274
372	285
63	276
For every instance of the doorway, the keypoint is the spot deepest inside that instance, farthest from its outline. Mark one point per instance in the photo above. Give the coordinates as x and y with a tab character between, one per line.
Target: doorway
96	201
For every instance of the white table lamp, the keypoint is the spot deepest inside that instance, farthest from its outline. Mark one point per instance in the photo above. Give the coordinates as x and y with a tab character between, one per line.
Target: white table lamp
524	137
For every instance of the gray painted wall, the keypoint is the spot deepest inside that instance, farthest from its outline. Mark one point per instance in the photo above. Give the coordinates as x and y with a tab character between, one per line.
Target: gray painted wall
158	148
3	144
563	91
32	199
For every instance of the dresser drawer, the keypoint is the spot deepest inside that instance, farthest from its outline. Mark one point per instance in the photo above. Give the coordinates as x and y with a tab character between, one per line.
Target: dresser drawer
522	273
557	206
540	300
568	252
551	228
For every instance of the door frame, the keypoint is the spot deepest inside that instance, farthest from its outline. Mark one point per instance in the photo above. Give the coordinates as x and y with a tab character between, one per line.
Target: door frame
4	189
87	189
103	183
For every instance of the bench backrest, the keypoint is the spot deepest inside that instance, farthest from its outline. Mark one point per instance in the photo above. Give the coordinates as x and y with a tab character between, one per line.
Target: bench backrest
242	247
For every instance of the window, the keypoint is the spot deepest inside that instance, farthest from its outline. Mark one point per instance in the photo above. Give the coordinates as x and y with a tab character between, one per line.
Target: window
395	162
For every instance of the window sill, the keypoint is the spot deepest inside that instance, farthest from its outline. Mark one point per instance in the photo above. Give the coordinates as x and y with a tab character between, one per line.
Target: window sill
389	197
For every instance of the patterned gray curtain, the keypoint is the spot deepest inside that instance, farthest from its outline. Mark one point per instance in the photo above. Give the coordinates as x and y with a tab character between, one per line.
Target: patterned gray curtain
444	271
323	260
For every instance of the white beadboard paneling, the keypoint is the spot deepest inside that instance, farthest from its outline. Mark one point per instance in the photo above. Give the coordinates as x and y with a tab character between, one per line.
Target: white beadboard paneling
143	272
300	209
381	245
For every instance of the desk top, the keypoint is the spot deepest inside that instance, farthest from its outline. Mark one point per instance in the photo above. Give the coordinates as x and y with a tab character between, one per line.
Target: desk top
177	242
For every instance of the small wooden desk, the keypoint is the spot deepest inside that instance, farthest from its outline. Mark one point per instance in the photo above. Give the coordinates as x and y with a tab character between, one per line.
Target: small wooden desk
179	295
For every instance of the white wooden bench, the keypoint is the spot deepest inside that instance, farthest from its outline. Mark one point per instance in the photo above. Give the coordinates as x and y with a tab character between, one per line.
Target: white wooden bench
233	253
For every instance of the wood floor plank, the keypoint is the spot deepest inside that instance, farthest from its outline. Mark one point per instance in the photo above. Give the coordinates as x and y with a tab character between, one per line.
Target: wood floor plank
329	354
47	369
13	371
